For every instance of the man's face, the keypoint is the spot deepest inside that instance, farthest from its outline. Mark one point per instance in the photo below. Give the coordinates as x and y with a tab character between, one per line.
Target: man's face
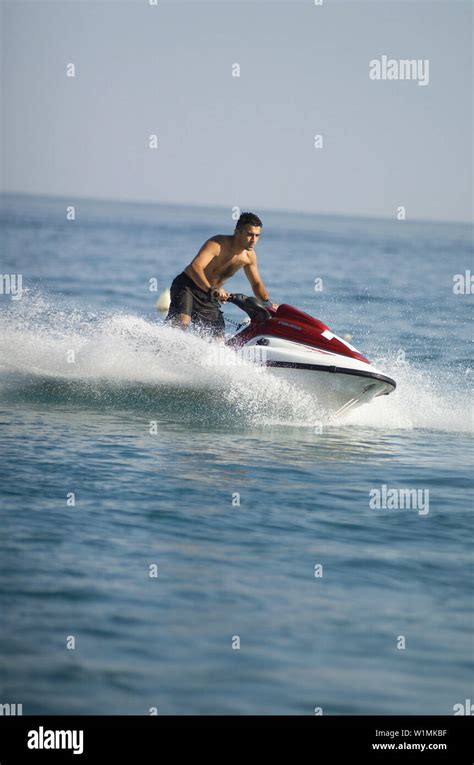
249	236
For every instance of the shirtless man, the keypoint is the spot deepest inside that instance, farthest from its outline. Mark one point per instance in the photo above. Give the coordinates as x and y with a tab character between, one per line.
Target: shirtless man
196	291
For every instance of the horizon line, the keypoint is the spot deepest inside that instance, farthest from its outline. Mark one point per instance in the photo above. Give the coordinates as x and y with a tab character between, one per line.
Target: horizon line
285	211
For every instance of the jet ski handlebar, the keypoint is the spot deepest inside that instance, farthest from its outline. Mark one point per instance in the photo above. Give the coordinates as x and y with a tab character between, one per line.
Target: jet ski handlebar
253	307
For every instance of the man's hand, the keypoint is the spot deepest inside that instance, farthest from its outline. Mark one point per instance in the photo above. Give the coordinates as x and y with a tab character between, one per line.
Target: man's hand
222	294
219	293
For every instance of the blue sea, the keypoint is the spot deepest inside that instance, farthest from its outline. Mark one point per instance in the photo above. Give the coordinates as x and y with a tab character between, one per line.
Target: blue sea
182	537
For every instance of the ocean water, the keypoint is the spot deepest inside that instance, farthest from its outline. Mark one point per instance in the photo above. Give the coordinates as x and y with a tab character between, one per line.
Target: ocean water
279	588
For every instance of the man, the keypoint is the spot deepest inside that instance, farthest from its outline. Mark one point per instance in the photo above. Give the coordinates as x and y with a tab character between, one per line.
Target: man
196	291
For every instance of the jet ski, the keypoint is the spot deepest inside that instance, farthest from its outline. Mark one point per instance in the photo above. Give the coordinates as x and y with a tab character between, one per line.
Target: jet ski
305	352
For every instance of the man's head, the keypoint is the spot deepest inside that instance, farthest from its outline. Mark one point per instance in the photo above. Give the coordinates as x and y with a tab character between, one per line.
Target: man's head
247	230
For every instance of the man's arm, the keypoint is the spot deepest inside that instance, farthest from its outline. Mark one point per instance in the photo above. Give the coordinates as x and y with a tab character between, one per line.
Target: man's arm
208	251
251	272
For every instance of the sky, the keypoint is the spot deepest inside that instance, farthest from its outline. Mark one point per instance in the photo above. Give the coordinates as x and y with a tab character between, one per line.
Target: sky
246	141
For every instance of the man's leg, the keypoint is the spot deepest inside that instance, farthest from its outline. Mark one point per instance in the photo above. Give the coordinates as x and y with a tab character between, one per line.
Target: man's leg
217	328
210	322
181	305
184	319
178	319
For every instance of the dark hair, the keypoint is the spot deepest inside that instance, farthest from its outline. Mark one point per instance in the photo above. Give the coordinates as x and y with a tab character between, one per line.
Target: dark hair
248	218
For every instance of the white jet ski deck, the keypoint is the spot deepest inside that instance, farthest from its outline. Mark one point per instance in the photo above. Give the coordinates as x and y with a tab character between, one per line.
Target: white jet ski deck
307	354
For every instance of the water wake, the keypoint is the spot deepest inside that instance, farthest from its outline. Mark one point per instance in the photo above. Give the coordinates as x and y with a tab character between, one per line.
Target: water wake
52	353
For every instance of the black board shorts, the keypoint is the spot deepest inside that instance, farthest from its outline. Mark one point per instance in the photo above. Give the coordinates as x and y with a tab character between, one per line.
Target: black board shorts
188	298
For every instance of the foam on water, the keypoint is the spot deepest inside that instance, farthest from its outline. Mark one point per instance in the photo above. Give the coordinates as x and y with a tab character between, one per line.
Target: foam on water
423	399
124	359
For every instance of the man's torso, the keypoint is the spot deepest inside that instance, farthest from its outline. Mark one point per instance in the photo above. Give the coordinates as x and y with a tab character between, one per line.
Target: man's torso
225	264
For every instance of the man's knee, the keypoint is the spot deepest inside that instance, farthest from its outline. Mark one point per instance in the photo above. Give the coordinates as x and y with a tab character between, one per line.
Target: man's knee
178	320
183	319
